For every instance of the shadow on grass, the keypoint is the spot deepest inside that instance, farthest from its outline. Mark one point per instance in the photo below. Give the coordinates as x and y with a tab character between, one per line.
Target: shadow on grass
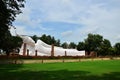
12	72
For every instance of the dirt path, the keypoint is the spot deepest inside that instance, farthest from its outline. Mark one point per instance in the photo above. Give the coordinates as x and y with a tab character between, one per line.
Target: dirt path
28	61
66	60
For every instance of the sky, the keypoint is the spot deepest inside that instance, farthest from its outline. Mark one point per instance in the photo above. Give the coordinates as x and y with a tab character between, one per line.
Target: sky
70	20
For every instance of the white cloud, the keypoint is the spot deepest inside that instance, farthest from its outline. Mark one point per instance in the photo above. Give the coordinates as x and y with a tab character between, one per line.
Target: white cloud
67	33
25	16
106	21
25	19
95	16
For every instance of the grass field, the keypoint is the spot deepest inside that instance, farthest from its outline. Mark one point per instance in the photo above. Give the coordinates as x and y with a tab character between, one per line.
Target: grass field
88	70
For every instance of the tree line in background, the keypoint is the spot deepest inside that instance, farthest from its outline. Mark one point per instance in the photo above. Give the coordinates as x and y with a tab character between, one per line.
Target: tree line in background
94	42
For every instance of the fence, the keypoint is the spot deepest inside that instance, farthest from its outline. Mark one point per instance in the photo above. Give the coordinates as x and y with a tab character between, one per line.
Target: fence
48	59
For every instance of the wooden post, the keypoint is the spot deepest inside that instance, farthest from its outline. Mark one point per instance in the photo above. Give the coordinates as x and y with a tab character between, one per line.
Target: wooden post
35	52
24	49
65	53
27	52
52	50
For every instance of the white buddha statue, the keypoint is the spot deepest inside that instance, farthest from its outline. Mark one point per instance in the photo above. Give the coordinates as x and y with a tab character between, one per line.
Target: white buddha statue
44	49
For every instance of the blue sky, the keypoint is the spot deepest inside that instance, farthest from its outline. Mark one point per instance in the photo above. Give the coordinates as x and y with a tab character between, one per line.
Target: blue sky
70	20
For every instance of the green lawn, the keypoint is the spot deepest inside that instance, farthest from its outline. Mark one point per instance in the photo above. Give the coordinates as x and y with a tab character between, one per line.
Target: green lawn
88	70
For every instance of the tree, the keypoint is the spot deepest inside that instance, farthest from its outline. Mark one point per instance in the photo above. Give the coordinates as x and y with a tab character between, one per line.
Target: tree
53	41
34	37
57	43
72	45
81	46
97	43
117	48
93	42
43	38
8	11
47	39
105	48
16	42
64	45
50	40
5	43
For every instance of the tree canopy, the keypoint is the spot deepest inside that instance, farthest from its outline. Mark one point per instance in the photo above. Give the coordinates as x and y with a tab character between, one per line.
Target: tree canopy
117	48
8	11
95	42
81	46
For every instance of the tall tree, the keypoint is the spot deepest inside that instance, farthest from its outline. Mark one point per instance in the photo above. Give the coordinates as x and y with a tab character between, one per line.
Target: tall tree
105	48
8	11
117	48
93	42
16	41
